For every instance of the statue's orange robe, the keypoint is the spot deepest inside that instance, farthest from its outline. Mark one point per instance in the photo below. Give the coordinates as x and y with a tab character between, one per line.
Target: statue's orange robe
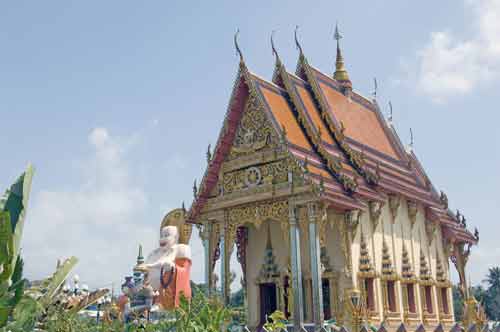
180	284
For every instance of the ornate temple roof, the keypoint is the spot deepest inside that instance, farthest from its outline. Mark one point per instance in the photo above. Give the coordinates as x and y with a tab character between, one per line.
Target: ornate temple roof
340	137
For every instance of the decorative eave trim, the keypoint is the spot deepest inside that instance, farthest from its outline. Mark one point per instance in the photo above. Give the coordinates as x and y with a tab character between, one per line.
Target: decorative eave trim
356	159
333	164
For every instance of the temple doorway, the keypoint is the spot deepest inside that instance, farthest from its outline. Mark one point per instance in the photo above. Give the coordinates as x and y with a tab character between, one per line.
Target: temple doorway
267	301
326	299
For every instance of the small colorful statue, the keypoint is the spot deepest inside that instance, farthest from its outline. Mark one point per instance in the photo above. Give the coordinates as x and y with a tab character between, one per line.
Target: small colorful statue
136	299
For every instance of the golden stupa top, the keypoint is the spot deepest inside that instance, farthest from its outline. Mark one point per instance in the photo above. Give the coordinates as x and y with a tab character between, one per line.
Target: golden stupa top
340	74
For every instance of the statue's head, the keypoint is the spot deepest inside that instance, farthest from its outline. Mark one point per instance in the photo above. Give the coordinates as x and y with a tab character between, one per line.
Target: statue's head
127	286
169	236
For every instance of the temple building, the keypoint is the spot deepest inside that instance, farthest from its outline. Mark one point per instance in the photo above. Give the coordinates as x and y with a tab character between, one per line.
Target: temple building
331	217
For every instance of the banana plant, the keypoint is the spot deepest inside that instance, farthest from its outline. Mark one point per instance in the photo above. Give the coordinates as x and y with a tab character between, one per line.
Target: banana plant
15	202
12	213
11	282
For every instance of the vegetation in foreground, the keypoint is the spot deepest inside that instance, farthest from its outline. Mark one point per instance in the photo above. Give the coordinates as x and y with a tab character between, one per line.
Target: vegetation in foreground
45	307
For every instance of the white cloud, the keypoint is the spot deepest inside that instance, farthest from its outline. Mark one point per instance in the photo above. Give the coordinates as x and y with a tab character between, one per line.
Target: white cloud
449	65
101	221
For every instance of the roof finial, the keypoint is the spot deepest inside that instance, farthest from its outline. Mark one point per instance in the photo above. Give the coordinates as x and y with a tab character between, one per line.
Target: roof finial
238	51
375	88
275	53
340	74
297	44
410	147
390	112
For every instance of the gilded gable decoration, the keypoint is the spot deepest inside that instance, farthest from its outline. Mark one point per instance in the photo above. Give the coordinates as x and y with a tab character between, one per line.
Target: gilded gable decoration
254	132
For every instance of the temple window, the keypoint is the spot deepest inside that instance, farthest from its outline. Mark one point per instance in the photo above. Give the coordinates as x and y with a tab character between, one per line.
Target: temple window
410	290
389	278
428	299
391	295
444	300
442	287
426	283
369	293
408	281
366	276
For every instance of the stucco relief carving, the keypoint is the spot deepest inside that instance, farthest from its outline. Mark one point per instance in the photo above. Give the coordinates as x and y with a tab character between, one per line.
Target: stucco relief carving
375	213
412	212
352	219
430	231
394	203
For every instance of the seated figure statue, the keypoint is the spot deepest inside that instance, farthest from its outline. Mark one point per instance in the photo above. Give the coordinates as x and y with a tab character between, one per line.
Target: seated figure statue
168	268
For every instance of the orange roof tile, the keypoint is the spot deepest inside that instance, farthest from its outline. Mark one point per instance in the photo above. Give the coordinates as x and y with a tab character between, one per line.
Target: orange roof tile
313	113
361	124
283	114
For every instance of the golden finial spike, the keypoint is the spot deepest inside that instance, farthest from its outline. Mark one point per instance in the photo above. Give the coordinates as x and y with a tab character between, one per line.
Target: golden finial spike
340	74
238	50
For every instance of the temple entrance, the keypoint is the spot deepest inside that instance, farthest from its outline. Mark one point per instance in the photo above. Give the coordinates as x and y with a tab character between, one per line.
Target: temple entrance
267	301
326	299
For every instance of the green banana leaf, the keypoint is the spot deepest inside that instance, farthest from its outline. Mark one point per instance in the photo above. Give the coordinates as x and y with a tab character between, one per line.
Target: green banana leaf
57	279
15	201
6	246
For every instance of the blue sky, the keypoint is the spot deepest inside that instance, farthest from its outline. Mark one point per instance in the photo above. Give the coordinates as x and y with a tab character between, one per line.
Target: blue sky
115	103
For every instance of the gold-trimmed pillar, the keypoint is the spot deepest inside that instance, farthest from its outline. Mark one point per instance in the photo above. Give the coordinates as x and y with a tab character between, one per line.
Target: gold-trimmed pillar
314	253
298	300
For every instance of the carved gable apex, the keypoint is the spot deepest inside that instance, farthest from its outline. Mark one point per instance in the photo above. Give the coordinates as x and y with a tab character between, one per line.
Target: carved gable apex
254	133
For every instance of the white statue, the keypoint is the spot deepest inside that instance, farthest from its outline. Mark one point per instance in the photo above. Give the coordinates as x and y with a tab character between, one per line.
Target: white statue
163	259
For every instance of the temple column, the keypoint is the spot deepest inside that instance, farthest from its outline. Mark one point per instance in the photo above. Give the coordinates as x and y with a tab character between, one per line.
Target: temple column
206	235
223	263
298	314
314	253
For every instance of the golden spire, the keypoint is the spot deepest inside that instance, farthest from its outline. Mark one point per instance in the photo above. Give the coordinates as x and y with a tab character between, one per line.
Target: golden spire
340	74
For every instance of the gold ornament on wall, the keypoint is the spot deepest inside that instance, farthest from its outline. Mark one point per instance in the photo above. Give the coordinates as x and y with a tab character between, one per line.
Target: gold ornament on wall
259	212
